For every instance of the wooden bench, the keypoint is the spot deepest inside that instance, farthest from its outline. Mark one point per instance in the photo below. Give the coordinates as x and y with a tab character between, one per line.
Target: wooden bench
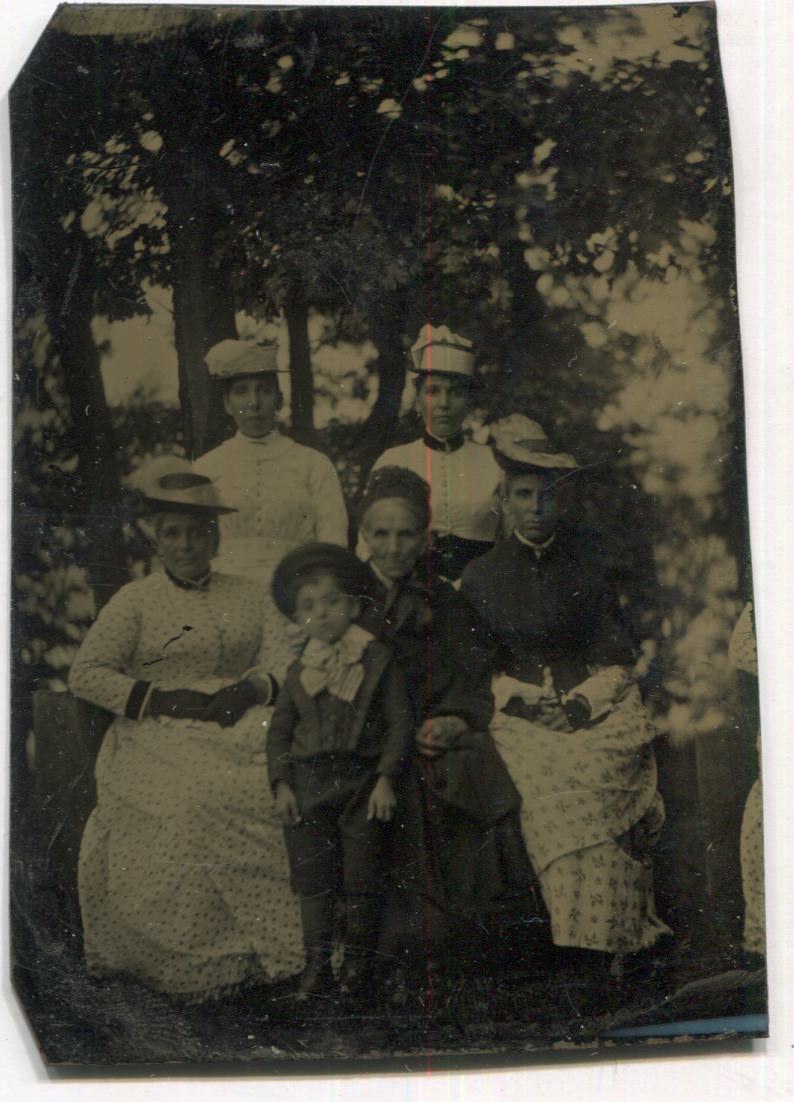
68	733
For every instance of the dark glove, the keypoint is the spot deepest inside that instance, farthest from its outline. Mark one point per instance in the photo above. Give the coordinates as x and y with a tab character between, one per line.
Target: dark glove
577	710
231	704
178	703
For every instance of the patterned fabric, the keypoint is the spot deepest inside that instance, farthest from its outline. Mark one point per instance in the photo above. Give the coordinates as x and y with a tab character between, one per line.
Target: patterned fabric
582	793
743	655
183	876
337	666
556	622
752	859
742	649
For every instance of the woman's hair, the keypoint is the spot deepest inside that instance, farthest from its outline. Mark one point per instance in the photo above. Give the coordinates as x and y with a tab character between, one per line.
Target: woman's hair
397	482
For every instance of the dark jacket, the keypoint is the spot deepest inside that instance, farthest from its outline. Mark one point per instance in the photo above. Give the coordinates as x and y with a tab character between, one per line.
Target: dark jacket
377	724
559	609
439	644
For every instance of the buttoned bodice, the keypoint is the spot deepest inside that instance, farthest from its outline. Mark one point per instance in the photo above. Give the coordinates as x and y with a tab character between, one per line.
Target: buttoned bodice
463	484
284	494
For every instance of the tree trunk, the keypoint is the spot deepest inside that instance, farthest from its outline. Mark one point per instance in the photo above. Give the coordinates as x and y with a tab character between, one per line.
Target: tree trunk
296	312
377	432
96	496
203	315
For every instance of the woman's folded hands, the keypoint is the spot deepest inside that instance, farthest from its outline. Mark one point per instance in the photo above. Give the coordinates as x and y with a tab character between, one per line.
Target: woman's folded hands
178	703
540	703
225	707
230	704
438	733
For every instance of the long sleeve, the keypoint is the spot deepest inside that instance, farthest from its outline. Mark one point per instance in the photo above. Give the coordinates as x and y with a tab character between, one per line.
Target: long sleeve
98	672
461	658
326	492
398	715
603	688
281	644
279	737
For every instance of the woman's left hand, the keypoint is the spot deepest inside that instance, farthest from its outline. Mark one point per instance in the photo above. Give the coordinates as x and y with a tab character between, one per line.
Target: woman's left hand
230	704
552	715
439	733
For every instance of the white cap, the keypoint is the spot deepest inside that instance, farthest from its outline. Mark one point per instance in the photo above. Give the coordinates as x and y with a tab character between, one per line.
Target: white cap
231	358
439	351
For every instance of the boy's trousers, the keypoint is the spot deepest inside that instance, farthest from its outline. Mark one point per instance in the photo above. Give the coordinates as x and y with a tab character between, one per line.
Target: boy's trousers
334	847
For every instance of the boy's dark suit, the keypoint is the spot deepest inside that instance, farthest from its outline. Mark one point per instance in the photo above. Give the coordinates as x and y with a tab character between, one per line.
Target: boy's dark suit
331	752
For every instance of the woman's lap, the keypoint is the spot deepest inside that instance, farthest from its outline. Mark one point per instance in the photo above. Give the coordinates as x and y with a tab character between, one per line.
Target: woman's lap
183	874
582	792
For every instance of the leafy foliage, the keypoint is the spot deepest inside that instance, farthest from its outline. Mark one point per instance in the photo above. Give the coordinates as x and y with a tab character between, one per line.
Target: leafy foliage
553	183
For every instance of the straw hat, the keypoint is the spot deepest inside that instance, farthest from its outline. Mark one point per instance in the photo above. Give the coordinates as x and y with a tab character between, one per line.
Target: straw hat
520	444
169	484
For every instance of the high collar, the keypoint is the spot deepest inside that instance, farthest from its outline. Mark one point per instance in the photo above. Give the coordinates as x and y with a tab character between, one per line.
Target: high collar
259	441
451	444
202	584
538	548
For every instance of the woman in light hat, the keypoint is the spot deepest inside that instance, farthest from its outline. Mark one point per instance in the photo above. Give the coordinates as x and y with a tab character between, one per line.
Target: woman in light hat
283	492
183	876
463	476
570	723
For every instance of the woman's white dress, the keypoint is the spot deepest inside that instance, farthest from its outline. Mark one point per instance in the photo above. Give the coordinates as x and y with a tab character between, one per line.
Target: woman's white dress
284	494
183	875
463	484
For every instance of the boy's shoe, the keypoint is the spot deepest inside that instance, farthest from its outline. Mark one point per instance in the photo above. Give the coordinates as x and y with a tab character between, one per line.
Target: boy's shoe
355	975
316	980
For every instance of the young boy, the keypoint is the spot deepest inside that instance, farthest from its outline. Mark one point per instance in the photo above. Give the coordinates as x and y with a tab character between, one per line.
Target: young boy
340	732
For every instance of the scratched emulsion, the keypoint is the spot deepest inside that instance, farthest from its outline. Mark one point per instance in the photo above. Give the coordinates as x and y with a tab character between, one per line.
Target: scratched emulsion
553	186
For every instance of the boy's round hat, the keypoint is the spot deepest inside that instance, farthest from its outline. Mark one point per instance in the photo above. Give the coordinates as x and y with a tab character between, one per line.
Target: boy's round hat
351	572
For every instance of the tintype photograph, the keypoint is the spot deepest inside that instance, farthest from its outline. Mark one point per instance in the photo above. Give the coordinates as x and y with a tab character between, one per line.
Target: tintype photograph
384	680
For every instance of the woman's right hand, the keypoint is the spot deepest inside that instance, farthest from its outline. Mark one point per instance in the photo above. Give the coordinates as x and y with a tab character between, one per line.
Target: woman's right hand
178	703
506	688
287	805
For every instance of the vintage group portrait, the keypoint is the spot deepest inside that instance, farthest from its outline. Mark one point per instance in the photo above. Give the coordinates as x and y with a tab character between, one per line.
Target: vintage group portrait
384	679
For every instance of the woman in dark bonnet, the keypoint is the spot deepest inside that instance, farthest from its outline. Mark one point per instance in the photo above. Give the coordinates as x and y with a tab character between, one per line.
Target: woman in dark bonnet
457	850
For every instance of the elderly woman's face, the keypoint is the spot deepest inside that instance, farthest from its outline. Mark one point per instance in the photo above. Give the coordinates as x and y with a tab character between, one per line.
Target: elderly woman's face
253	401
394	537
531	504
186	544
442	402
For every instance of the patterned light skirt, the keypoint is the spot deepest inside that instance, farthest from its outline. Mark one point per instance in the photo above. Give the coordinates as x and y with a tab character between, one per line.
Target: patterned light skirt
752	858
590	813
183	874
